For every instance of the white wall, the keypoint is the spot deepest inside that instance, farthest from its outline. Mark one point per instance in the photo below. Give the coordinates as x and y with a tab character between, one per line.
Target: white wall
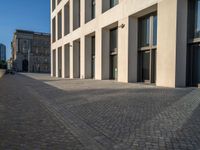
171	48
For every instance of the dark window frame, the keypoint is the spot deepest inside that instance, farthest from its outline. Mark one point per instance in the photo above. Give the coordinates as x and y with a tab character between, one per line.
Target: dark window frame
150	47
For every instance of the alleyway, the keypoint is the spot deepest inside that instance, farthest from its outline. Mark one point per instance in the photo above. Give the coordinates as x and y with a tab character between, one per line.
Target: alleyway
39	112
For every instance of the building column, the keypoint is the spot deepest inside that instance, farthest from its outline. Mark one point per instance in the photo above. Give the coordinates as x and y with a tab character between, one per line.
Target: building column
63	62
52	69
98	60
71	15
82	12
123	50
127	50
82	58
98	7
172	43
63	21
71	60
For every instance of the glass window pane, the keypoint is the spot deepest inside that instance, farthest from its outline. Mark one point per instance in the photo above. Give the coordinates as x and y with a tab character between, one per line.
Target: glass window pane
93	46
113	3
145	66
93	9
144	31
155	25
197	19
113	40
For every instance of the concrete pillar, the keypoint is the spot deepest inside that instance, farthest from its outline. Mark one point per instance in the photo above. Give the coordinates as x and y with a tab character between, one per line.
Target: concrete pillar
172	43
71	53
98	60
63	22
82	58
98	7
63	62
123	51
127	50
82	12
71	15
52	69
57	64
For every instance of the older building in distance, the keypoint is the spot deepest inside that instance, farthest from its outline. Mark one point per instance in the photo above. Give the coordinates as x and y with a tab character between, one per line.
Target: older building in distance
149	41
31	51
2	52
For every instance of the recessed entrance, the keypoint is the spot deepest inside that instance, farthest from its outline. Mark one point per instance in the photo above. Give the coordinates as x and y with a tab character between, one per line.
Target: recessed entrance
25	65
76	59
113	54
194	65
93	58
60	62
147	48
147	66
54	62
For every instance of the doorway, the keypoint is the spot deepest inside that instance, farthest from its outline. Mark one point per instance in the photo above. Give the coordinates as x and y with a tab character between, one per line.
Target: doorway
25	65
194	65
93	58
113	54
147	66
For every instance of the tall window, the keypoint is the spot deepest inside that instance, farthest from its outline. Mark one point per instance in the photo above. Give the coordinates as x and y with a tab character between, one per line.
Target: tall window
76	14
67	19
144	25
107	4
53	4
155	26
90	8
93	58
113	3
113	38
113	54
54	30
147	48
93	9
59	25
197	19
193	53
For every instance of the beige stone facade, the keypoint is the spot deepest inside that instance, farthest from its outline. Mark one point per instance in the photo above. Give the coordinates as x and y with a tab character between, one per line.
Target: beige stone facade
31	52
126	40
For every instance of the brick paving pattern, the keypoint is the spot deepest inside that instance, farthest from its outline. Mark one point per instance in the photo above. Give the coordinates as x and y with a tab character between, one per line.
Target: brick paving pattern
39	112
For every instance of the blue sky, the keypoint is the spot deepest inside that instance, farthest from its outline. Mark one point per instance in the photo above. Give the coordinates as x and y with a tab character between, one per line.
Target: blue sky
22	14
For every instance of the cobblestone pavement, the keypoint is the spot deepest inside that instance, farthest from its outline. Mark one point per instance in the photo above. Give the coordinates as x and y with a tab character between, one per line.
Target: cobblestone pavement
39	112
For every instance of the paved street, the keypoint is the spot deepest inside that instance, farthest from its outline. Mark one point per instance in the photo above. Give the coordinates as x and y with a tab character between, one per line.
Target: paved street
39	112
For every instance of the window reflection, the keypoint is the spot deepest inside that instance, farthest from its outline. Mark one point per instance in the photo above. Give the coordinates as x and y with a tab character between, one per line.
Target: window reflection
155	24
144	31
197	19
113	3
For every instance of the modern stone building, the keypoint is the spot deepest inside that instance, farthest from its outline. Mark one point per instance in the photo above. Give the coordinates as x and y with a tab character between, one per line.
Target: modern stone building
2	52
150	41
31	51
